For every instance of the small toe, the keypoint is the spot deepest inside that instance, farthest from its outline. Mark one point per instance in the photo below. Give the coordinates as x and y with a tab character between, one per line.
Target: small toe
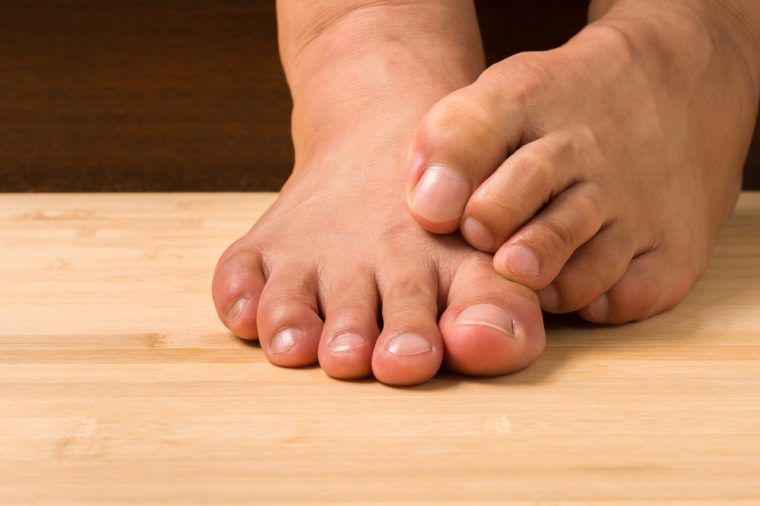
288	316
236	289
537	252
519	189
351	327
592	270
409	350
652	283
492	325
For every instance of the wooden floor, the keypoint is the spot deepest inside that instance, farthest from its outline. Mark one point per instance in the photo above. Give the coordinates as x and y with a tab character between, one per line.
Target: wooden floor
119	386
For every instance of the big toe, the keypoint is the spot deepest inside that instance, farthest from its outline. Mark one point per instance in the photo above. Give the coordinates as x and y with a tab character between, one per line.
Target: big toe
457	145
236	289
491	325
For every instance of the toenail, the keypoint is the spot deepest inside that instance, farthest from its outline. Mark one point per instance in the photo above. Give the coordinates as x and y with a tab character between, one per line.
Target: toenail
345	343
477	234
440	194
600	308
522	261
235	309
549	297
487	315
284	340
408	344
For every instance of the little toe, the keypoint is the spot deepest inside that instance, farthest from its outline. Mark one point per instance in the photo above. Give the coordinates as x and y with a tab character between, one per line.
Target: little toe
460	141
409	350
492	325
592	270
236	288
350	331
652	283
537	252
288	319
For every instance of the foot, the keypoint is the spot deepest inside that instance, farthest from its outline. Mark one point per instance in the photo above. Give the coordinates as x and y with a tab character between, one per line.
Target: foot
625	149
336	271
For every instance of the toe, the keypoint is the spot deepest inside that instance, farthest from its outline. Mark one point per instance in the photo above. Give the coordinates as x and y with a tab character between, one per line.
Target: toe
492	325
536	253
238	282
289	324
460	141
519	188
350	331
654	282
409	350
590	272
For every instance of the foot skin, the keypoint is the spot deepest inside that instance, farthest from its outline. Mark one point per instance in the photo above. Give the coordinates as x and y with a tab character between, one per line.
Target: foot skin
625	154
333	257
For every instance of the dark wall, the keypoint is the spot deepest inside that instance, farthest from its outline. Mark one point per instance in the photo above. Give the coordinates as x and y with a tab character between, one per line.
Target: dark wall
178	94
141	95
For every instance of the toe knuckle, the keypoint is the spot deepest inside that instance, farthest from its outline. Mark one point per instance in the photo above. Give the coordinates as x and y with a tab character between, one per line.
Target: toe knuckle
634	302
350	314
488	207
286	305
559	235
587	206
535	168
495	212
574	297
408	291
459	113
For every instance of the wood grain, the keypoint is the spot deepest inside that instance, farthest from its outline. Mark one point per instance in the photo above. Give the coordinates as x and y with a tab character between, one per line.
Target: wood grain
178	95
119	386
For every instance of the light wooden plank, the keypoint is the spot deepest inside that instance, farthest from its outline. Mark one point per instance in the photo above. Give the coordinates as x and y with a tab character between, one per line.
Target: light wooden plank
119	386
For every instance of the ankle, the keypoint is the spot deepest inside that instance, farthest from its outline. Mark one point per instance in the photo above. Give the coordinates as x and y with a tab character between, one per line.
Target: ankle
376	67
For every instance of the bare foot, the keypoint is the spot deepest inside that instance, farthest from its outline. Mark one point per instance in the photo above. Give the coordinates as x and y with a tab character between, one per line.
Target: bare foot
337	271
625	149
312	275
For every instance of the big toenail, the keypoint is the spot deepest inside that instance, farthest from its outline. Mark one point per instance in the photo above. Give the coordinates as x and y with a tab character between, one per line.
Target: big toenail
284	340
522	261
487	315
408	344
477	234
345	343
440	194
235	309
549	297
600	308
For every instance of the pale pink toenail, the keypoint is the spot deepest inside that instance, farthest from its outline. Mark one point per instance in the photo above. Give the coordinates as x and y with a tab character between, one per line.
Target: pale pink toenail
522	261
549	297
235	309
284	340
477	234
440	194
408	344
487	315
600	308
345	343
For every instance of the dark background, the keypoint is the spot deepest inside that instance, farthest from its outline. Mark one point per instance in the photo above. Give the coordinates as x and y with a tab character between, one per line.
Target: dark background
179	95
